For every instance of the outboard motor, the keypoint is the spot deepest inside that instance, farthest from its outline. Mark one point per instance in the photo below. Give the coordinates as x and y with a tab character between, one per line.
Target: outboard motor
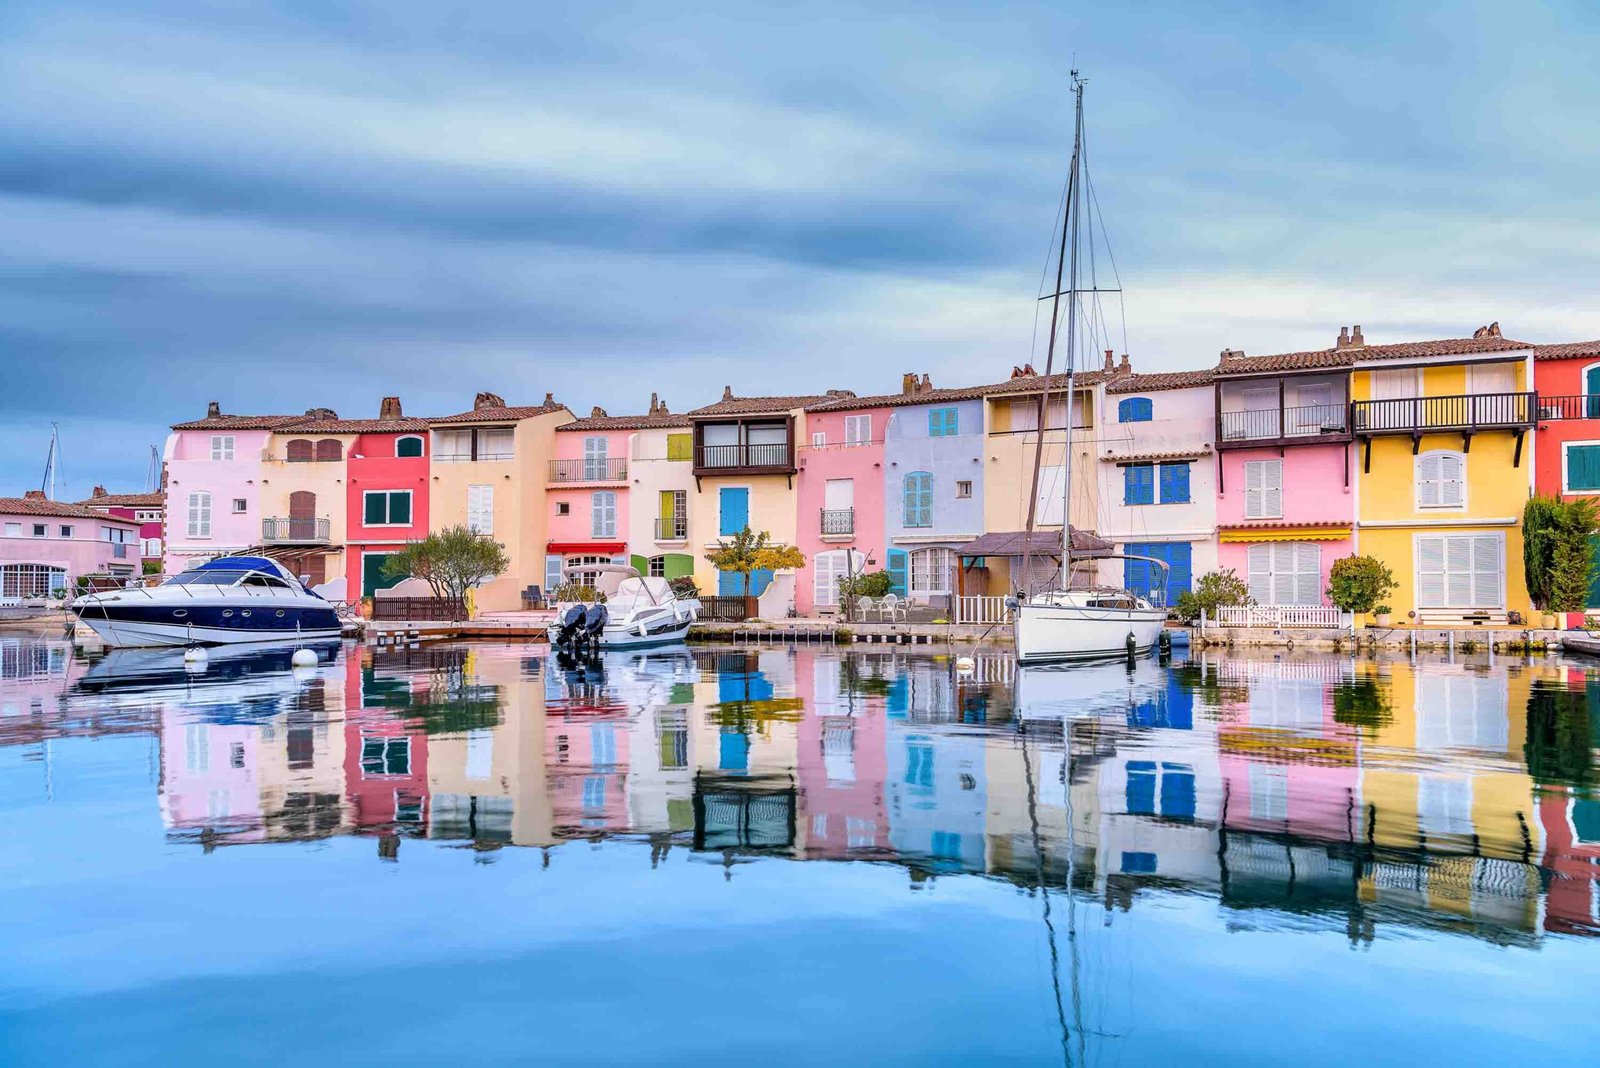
594	621
571	625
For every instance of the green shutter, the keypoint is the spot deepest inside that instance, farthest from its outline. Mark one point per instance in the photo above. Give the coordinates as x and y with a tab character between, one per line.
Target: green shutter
680	447
400	507
373	508
1583	467
679	565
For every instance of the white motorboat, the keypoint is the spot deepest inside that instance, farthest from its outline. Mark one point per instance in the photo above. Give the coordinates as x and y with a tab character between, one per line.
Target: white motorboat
636	611
232	599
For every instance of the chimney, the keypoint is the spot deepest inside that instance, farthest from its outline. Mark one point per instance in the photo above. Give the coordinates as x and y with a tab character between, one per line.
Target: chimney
908	383
213	410
99	491
390	408
487	400
655	404
321	413
597	412
1109	367
1344	338
1230	354
727	393
34	495
549	399
1494	328
927	382
1125	368
1355	336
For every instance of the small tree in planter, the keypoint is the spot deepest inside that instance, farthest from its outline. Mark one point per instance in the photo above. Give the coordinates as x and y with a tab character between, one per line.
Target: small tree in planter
451	561
1215	589
1358	584
748	551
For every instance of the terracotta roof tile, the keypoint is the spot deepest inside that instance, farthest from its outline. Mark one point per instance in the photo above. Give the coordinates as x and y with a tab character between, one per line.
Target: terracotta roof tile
126	500
42	507
358	426
241	422
1567	351
762	405
1321	359
1157	457
1151	383
498	414
658	421
1022	385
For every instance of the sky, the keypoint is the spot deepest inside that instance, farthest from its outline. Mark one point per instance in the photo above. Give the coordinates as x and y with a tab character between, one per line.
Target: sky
317	203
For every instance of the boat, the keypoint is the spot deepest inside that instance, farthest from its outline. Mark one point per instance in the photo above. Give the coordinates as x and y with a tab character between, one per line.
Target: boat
636	611
226	601
1064	618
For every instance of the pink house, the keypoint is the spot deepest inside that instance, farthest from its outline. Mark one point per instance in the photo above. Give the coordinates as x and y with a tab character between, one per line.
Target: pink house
586	492
45	545
214	468
147	509
839	495
841	764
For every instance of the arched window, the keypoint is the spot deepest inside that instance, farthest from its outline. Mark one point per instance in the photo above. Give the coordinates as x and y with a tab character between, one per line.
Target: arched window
408	446
329	449
1441	480
918	499
299	451
1134	410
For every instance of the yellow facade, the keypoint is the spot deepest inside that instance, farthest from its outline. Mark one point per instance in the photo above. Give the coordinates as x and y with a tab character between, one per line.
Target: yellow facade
325	478
773	509
1496	482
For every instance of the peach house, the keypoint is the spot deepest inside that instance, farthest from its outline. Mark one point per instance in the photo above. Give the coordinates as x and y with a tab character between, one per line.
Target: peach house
45	545
839	524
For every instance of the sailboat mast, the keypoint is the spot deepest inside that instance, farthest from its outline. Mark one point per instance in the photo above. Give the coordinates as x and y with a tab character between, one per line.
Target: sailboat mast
47	485
1050	348
1073	212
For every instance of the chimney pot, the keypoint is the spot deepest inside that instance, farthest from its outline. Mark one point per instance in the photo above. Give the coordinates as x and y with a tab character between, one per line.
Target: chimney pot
34	495
1494	328
908	383
1125	368
487	400
99	491
1355	336
655	404
1344	338
549	399
213	410
727	393
927	382
389	408
1109	361
597	412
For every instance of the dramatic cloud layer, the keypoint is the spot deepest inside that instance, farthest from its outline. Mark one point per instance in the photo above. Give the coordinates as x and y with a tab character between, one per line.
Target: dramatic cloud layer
281	205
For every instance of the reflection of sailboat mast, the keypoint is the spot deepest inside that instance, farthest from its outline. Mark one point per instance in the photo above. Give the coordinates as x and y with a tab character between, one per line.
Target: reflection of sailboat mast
1044	893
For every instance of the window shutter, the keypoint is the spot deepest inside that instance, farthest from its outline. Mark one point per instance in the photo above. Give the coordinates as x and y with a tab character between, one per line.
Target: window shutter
400	507
1259	573
1283	584
1174	483
680	446
1452	480
373	509
408	447
1458	571
1428	480
480	509
1272	489
552	571
1253	507
897	571
1488	567
1308	573
1134	410
1430	572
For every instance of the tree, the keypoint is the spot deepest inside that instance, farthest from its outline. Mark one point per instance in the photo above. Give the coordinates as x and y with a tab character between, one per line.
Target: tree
748	552
1557	553
1359	583
1215	589
451	561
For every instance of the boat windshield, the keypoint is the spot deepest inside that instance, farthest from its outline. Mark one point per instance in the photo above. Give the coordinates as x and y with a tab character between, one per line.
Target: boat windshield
226	578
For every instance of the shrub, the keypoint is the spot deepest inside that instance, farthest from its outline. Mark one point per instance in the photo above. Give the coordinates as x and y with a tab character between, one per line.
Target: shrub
684	586
1359	583
1215	589
867	584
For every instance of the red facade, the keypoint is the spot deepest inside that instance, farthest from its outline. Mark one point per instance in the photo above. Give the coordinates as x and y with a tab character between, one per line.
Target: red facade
375	467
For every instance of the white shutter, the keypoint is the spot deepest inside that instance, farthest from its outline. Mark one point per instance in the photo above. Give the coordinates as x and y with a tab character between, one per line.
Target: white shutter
480	509
1458	571
1283	573
552	571
1488	568
200	515
1259	575
1252	490
1272	489
1428	480
1430	572
1308	573
1452	479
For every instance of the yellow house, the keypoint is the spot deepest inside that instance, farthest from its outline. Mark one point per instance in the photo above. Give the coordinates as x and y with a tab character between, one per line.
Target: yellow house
303	496
488	472
1444	433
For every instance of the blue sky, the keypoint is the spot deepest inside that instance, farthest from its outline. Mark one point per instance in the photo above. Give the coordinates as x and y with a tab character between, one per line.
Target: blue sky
319	203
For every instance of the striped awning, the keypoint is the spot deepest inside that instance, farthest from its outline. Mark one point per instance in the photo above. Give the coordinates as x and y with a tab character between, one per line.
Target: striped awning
1303	532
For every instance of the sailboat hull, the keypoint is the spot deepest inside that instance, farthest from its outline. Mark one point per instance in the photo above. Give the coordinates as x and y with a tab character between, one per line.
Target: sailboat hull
1064	631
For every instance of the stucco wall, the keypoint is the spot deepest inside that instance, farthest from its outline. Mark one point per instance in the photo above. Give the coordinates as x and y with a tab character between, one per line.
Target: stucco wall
190	469
1560	378
373	466
1314	489
85	552
951	459
864	465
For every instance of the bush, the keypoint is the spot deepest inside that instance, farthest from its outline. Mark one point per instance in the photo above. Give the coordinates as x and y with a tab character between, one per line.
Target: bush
1557	558
684	586
575	593
1359	583
1216	589
867	584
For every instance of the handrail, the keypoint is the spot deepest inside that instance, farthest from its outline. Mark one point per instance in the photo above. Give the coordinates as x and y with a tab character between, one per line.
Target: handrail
1579	406
838	521
1454	411
747	455
1305	420
277	529
589	469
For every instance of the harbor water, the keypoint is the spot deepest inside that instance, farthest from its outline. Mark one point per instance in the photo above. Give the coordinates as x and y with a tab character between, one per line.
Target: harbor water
481	854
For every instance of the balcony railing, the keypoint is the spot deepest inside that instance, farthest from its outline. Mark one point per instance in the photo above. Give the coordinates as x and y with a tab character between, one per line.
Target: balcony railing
1271	424
838	521
1584	407
672	528
279	531
589	469
1471	411
778	456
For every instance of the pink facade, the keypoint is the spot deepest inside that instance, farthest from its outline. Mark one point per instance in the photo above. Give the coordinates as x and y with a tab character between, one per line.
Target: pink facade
1318	492
213	493
586	494
841	764
846	516
586	761
45	545
209	776
375	466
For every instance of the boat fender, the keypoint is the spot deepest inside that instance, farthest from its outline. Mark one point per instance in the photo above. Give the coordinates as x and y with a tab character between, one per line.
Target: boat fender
1133	646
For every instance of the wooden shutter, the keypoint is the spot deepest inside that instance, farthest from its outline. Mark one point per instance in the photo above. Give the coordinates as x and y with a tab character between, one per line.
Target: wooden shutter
897	571
1134	410
411	446
299	451
1175	483
375	508
1259	573
680	447
400	506
480	509
329	449
734	509
1263	489
1458	571
1430	572
1308	573
1583	466
1452	479
1488	571
1428	480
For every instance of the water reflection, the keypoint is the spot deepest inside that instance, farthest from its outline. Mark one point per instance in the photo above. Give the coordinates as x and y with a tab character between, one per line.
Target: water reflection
1354	795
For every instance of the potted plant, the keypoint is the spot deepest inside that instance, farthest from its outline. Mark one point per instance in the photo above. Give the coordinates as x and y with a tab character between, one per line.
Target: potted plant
1380	615
1356	584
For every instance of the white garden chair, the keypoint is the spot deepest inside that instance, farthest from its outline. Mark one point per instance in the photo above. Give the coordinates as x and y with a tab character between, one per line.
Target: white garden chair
865	607
890	606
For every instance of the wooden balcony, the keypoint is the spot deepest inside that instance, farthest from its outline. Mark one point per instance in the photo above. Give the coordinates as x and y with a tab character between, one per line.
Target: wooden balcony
1465	414
1309	424
763	446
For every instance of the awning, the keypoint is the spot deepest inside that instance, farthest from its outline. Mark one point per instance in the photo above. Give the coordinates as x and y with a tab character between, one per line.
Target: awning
1039	543
1303	532
599	548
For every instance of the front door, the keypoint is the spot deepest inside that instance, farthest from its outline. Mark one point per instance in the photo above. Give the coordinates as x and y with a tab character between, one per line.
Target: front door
734	510
302	516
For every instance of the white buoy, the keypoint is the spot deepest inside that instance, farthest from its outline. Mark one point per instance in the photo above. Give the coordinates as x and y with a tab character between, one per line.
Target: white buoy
195	654
303	658
966	665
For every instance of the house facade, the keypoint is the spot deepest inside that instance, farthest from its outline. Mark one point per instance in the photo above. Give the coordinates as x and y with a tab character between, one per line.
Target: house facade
45	545
661	472
586	494
146	509
839	499
1567	447
302	491
387	487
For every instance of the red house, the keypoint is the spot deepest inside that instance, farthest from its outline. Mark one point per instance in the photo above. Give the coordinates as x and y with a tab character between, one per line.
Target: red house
147	509
387	493
1567	453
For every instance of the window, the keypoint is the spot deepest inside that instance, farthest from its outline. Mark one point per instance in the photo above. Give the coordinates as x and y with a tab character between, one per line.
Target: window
829	569
480	509
680	447
673	521
1051	505
603	514
596	451
1164	789
239	505
150	547
408	446
66	530
1285	572
1139	484
1174	483
1460	571
1580	467
1269	792
199	514
13	530
1134	410
299	451
963	490
329	449
1263	489
380	508
1149	581
733	509
818	439
497	444
657	567
563	508
933	571
918	499
943	422
31	580
386	756
39	529
452	446
1441	480
857	429
222	446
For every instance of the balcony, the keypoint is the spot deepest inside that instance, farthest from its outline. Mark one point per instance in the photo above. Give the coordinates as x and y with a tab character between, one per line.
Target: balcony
672	528
1302	424
279	531
762	446
1583	407
1465	413
589	469
837	521
776	456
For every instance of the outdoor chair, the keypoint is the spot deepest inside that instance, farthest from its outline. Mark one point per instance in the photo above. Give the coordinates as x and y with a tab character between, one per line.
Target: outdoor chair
890	607
865	607
532	597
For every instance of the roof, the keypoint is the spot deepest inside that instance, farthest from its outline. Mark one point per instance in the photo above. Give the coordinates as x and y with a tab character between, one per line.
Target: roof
498	414
126	500
60	509
1163	380
660	420
1022	384
1157	457
241	422
1350	356
1569	350
731	405
357	426
1039	543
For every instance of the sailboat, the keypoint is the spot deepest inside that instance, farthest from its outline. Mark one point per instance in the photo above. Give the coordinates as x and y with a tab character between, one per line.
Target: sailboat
1063	619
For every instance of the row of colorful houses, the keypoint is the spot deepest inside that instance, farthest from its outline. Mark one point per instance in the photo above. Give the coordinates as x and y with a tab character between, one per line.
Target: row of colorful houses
1419	453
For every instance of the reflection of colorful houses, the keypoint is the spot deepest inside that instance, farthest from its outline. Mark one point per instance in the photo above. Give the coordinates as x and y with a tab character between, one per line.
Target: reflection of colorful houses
209	783
586	756
386	758
1572	860
841	767
746	746
937	775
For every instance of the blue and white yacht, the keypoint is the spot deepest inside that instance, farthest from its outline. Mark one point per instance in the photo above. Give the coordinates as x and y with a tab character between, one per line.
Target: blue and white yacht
221	602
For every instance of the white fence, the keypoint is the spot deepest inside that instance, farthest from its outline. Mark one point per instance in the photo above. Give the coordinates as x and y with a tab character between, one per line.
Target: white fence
982	610
1282	615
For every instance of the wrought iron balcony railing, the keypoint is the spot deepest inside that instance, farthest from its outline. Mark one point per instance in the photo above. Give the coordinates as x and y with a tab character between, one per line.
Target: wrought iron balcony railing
838	521
1271	424
589	469
672	528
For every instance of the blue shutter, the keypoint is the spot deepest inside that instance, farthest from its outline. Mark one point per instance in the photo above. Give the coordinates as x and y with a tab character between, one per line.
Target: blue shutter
943	422
917	499
1177	791
897	572
730	583
1175	483
734	508
1138	484
1134	410
1140	794
760	579
1136	573
1181	579
733	752
925	500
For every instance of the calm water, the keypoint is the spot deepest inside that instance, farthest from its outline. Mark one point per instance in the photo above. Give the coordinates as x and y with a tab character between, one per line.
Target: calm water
477	855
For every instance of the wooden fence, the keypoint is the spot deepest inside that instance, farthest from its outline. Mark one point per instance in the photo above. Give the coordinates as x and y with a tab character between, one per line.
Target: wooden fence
418	608
982	610
727	609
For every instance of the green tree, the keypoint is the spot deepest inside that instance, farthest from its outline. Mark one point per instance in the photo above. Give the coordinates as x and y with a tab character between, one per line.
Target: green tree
748	551
1359	583
451	561
1215	589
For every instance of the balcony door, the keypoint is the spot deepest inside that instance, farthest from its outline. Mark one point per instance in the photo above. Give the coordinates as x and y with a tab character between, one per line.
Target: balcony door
1392	395
838	506
302	516
1264	420
594	458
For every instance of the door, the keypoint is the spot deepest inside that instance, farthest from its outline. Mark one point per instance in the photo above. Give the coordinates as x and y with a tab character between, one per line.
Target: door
302	515
1262	418
372	577
733	509
594	458
838	506
1494	400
